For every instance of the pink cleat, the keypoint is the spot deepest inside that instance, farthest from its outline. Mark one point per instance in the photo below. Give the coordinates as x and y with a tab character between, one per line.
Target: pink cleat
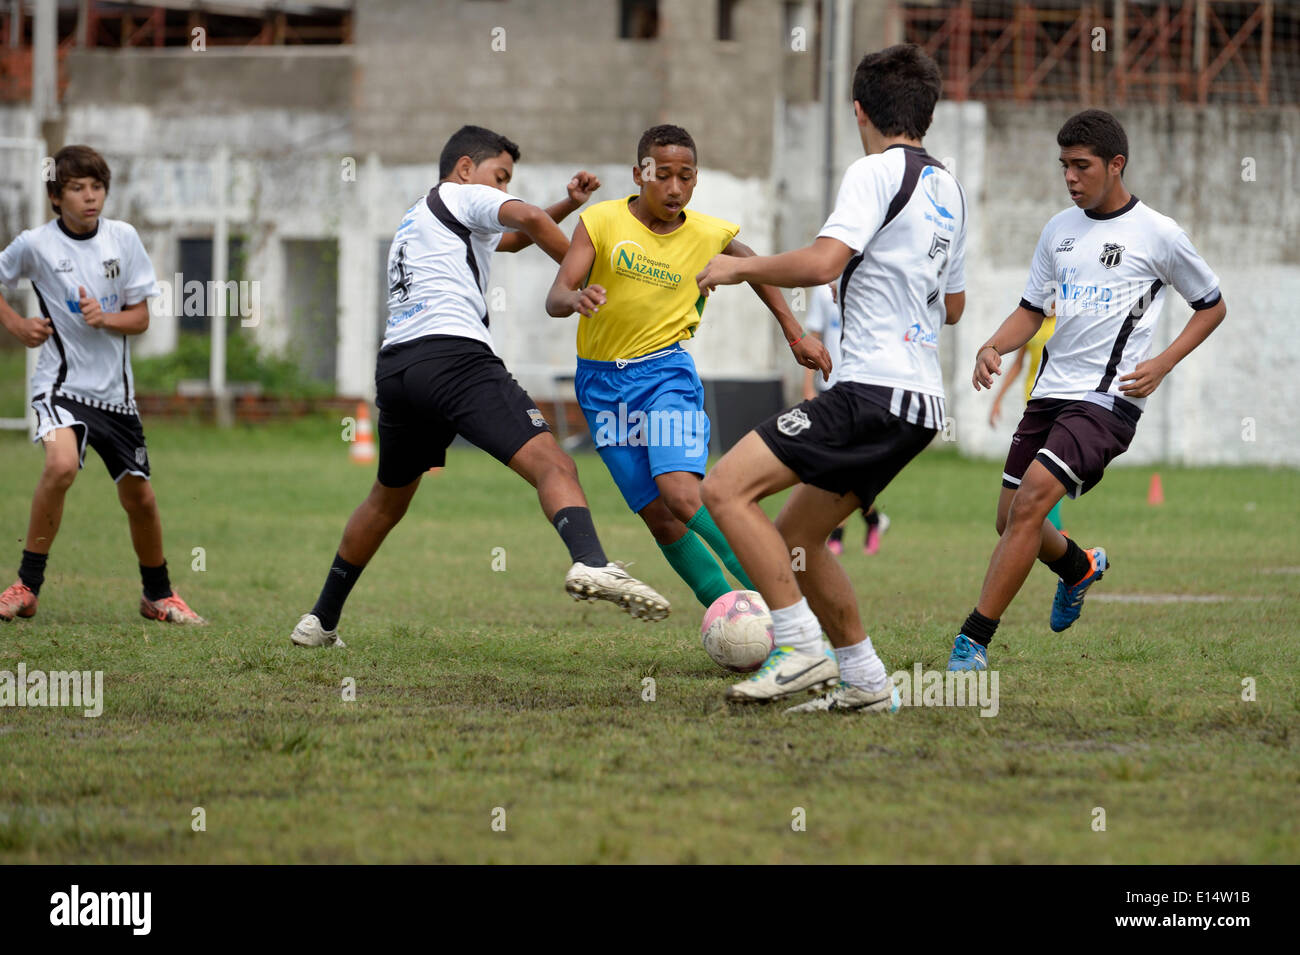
836	547
872	546
17	601
169	610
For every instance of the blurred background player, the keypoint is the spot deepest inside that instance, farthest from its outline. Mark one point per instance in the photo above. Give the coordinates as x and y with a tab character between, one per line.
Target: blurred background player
823	323
1031	355
897	239
93	279
438	376
630	275
1106	262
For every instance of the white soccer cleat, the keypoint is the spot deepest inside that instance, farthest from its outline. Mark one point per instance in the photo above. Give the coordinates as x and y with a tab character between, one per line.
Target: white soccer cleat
616	585
309	633
852	699
786	672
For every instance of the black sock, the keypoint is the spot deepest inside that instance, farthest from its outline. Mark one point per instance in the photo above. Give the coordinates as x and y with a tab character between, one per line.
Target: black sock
837	534
979	628
1073	565
32	570
873	518
156	584
579	535
338	584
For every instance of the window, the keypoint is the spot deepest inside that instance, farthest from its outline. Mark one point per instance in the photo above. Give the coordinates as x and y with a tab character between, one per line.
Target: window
638	19
727	19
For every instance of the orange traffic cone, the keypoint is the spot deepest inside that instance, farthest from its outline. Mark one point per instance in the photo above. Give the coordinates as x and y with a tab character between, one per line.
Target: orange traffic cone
1156	493
362	450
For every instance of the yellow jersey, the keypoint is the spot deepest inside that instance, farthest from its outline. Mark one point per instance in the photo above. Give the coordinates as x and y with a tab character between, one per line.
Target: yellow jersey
651	299
1034	352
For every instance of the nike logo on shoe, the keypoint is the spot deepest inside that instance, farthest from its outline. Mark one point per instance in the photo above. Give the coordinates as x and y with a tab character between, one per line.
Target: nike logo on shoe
783	680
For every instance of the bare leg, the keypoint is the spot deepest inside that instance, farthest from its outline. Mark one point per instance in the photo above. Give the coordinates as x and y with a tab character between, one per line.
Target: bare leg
1024	539
746	474
543	464
808	517
373	519
663	525
56	477
136	497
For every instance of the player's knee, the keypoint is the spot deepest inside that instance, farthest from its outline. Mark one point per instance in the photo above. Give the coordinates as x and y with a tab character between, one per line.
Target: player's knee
713	494
138	499
59	473
683	505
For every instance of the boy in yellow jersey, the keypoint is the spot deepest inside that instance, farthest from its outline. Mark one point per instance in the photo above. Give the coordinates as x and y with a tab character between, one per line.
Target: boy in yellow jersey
629	273
1033	351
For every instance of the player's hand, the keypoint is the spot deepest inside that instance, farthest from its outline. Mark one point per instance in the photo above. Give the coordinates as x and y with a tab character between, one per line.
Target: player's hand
996	412
811	353
835	292
587	300
581	186
32	332
987	364
1146	377
721	270
90	309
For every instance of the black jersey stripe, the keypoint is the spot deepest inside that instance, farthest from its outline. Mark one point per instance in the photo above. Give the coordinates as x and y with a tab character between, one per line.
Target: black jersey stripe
1125	330
454	225
126	384
58	342
914	161
1042	366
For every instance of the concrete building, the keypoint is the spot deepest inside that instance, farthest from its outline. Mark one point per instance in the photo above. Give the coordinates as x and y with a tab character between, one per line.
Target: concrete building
327	143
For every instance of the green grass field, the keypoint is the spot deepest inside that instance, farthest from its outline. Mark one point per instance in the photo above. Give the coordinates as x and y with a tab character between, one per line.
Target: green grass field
478	689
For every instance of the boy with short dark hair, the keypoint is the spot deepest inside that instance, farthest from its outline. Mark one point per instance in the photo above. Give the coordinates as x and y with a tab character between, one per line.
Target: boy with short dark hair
628	274
92	278
438	376
1105	262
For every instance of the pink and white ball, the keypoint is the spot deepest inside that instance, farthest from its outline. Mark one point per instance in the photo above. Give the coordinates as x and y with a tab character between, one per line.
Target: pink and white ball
737	631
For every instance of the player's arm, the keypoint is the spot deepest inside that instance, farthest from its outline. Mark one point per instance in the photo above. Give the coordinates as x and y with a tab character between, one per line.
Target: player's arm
816	264
32	332
954	303
809	352
810	375
534	222
1020	326
131	320
567	294
1146	377
579	189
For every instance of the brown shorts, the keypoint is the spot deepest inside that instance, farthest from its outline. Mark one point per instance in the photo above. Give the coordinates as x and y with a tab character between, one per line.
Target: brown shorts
1074	439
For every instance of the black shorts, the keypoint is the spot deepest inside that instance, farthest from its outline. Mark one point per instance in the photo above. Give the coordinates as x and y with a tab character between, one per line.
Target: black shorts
117	437
1074	439
434	388
845	440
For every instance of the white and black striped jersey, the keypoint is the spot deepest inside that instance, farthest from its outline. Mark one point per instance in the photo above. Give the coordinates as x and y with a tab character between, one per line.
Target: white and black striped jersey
1108	275
904	216
89	364
438	264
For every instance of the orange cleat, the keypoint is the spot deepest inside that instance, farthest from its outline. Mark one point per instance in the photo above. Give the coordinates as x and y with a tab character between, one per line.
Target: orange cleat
169	610
17	601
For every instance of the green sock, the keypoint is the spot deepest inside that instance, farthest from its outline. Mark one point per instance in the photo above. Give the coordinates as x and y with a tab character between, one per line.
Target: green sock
702	524
1054	516
695	565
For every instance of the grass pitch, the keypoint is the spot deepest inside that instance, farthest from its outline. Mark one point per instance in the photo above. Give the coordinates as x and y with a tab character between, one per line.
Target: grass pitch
485	695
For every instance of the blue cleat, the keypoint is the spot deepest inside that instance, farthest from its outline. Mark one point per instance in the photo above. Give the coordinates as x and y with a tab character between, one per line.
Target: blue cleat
1069	600
968	655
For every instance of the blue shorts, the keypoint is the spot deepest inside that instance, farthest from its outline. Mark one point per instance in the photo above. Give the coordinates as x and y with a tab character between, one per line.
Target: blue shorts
646	417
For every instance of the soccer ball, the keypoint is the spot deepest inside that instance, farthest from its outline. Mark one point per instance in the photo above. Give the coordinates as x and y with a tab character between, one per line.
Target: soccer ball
737	631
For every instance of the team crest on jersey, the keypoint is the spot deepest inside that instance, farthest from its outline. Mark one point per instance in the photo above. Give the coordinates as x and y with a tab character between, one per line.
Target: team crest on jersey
1111	255
65	265
537	418
141	456
793	422
112	268
1067	245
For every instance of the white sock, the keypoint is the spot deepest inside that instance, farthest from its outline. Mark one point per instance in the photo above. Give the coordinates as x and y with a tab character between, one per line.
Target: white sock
797	628
860	667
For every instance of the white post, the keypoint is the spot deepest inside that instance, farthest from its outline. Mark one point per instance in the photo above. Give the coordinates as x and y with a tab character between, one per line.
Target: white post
217	303
45	41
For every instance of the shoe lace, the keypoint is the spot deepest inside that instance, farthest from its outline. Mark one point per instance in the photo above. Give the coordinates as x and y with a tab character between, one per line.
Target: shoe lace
771	663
